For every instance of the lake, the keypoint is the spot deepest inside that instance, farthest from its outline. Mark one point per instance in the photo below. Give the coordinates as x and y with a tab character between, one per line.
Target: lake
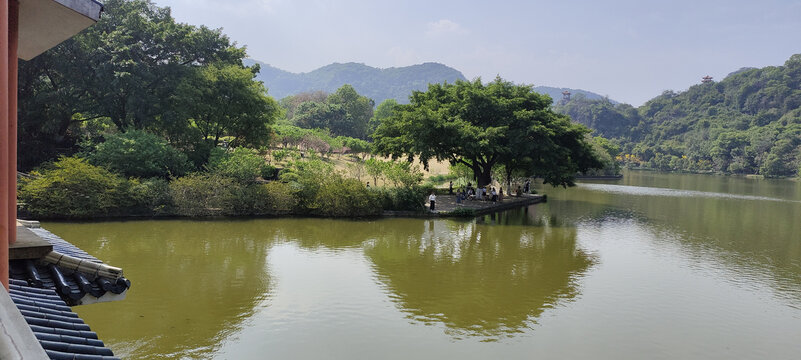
657	266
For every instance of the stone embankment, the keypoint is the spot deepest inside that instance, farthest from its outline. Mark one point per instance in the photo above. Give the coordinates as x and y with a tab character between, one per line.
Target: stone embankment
447	206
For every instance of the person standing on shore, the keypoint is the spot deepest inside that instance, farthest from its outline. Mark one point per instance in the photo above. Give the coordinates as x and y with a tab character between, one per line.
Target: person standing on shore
450	188
432	199
527	186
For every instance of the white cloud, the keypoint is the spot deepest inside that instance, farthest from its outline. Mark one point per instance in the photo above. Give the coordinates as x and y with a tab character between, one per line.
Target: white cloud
444	27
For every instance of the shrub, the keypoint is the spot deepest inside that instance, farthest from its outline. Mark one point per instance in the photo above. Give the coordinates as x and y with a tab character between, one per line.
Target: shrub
151	197
306	177
73	188
217	195
442	178
279	198
404	199
203	195
140	154
403	174
345	197
242	164
280	155
274	198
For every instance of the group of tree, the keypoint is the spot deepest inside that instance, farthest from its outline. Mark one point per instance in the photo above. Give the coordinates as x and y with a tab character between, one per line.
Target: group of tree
319	141
748	123
138	69
344	112
482	126
143	115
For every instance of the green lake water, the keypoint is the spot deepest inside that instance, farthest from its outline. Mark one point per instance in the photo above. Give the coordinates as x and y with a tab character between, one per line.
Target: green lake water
654	266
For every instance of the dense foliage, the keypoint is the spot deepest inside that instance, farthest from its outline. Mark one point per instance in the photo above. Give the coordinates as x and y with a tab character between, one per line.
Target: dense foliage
73	188
748	123
162	118
241	164
482	126
129	71
139	154
343	113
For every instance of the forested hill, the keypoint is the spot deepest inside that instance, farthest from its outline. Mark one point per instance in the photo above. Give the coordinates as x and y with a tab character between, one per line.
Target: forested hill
377	84
747	123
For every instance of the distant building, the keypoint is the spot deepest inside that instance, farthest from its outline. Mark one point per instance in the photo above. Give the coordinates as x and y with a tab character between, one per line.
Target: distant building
706	79
565	96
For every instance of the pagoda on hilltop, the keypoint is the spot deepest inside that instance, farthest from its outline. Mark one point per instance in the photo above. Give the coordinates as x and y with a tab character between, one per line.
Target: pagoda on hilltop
706	79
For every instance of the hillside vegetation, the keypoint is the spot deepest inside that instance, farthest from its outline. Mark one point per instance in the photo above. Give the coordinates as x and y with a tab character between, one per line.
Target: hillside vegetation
377	84
748	123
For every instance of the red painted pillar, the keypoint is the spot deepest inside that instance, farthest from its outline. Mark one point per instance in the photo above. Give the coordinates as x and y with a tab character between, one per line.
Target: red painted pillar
13	40
4	144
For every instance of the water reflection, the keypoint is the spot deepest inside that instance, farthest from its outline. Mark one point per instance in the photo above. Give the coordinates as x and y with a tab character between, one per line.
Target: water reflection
316	234
193	283
751	237
478	280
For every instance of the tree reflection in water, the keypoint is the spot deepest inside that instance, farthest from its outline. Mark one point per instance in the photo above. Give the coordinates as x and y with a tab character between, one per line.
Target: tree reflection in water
194	282
476	279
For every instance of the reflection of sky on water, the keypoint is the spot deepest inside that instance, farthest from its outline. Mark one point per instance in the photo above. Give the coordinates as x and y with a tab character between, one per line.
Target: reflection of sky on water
650	191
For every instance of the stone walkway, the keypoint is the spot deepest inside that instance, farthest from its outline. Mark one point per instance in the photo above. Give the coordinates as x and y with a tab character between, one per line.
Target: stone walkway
446	204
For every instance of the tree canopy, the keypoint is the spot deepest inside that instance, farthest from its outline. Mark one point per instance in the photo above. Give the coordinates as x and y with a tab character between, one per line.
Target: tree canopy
481	126
222	100
123	72
345	112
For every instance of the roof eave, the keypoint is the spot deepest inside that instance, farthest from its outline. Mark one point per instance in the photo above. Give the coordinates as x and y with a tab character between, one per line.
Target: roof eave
44	24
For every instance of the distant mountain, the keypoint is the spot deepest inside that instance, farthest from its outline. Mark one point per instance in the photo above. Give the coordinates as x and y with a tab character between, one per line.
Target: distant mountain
377	84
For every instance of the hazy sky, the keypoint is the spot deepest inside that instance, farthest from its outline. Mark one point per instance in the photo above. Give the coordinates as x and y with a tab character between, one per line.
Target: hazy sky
628	50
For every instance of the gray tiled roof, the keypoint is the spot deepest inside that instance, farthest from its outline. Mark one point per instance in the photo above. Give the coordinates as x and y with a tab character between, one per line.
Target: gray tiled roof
62	334
63	246
71	285
43	291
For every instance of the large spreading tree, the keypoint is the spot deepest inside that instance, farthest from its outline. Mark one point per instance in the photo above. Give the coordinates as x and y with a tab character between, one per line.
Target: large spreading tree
123	71
484	125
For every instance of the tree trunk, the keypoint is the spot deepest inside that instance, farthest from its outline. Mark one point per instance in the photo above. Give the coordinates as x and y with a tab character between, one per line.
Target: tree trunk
484	177
508	181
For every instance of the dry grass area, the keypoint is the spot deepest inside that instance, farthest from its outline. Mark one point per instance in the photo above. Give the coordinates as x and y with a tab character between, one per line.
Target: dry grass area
342	163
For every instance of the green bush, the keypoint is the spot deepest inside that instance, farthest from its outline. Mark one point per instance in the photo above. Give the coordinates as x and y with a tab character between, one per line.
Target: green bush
73	188
279	198
274	198
345	197
151	197
242	164
203	195
442	178
137	153
217	195
404	199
